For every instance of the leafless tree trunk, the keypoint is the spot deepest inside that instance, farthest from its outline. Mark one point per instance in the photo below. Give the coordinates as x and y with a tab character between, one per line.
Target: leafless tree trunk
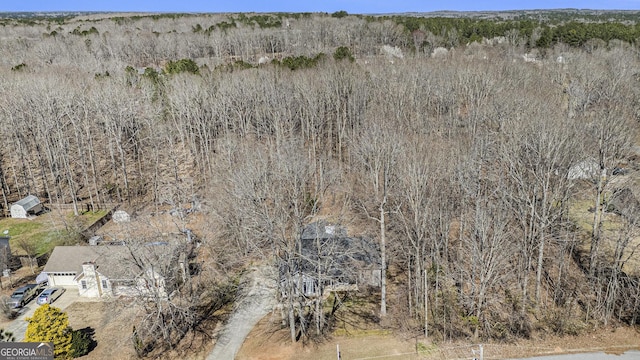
377	152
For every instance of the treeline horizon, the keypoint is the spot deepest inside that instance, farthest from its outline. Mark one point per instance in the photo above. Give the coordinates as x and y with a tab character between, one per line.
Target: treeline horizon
532	28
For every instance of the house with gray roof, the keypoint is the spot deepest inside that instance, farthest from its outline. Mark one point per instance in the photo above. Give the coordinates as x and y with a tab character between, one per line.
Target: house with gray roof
587	169
345	262
105	271
30	205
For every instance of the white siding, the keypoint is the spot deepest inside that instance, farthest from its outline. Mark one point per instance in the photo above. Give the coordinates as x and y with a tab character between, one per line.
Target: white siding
92	283
18	212
62	279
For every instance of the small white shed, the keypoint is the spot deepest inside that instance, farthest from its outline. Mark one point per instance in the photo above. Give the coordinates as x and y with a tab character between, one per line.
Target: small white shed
29	205
121	216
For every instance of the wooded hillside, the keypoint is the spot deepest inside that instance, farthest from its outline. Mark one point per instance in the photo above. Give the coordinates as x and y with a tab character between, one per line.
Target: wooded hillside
459	161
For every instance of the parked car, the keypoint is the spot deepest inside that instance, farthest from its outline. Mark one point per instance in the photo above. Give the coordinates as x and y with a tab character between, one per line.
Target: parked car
49	295
23	295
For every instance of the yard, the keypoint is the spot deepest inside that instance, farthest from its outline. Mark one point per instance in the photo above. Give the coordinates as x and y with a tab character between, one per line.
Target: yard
42	233
265	344
613	226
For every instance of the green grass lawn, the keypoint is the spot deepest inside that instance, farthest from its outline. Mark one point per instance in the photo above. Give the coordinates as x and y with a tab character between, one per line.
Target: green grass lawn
47	231
88	218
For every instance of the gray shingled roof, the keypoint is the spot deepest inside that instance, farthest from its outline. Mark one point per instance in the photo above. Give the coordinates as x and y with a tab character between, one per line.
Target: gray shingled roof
29	202
114	262
322	230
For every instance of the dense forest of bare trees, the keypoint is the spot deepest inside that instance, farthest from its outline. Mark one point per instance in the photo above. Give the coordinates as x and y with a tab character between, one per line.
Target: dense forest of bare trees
461	166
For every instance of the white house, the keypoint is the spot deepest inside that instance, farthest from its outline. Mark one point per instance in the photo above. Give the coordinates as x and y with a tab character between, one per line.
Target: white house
102	271
29	205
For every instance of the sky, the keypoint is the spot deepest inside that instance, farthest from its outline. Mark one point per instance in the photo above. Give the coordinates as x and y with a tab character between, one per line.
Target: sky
351	6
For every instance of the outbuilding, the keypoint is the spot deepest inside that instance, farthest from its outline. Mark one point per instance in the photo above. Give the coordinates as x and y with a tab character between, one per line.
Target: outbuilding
28	206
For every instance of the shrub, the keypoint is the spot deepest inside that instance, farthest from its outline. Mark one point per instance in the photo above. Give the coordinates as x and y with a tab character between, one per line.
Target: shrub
184	65
91	31
152	74
19	67
50	324
6	336
300	62
81	343
9	312
101	75
224	26
343	52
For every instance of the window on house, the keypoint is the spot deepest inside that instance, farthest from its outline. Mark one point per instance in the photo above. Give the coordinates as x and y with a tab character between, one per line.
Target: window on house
84	284
105	284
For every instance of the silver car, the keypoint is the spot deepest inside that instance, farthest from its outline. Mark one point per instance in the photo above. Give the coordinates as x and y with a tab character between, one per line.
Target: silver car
49	295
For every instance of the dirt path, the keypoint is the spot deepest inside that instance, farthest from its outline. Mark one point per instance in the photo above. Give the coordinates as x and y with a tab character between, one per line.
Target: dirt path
257	300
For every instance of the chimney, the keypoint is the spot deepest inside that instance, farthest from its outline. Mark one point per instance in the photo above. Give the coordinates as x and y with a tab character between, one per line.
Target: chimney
89	268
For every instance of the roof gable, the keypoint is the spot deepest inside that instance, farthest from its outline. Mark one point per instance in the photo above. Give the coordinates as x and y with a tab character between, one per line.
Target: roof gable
28	202
115	262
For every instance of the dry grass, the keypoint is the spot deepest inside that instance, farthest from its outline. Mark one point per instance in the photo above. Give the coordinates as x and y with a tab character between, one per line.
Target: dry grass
612	225
268	343
112	324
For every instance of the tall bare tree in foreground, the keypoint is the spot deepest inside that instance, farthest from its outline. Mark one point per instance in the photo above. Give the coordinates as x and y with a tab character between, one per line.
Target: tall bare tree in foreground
427	198
602	97
376	153
276	194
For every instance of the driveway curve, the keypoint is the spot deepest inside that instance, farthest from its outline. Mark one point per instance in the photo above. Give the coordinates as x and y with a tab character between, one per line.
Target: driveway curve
257	299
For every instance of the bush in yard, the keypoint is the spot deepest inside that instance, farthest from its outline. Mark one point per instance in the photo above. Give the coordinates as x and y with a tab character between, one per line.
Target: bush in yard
50	324
81	343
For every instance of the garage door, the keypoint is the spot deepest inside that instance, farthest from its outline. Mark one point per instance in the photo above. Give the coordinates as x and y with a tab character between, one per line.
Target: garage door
62	279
